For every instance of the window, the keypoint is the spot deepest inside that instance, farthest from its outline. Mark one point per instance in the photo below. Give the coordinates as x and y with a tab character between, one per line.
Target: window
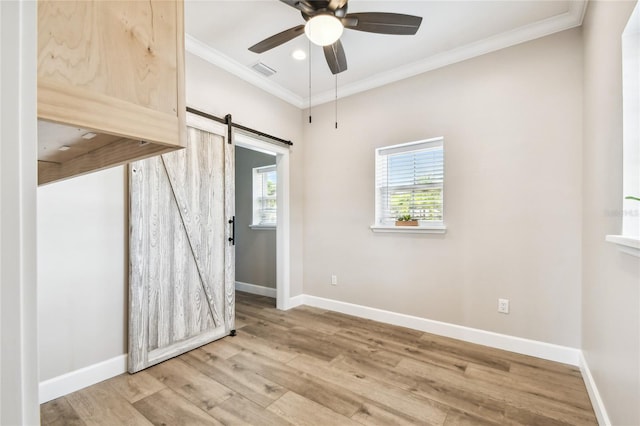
264	196
410	181
629	240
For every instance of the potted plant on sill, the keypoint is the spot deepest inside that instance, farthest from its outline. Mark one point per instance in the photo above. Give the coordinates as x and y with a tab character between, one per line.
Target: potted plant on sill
406	220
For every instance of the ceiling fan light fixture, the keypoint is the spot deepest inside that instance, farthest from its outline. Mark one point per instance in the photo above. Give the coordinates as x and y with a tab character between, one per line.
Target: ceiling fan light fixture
323	30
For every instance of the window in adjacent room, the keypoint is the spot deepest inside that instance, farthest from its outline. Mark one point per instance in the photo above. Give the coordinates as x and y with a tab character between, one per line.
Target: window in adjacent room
410	182
264	196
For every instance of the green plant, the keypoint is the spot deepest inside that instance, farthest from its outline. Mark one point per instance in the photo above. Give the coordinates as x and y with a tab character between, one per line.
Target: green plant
404	218
630	197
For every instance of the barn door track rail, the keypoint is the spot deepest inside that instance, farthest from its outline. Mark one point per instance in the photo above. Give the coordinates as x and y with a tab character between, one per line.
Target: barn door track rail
229	122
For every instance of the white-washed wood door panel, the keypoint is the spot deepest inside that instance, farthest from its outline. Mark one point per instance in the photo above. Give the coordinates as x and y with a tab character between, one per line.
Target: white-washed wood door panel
179	272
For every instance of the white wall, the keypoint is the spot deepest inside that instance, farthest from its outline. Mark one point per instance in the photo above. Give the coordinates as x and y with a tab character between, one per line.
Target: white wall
82	271
611	279
255	248
18	180
512	125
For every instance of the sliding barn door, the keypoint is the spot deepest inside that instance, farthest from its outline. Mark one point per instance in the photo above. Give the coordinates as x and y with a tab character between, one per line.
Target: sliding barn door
181	290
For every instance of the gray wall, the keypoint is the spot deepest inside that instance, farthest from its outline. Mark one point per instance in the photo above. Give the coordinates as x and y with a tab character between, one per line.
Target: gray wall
255	248
611	279
512	127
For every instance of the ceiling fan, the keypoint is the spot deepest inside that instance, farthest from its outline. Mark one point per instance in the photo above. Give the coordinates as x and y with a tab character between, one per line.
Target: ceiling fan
327	19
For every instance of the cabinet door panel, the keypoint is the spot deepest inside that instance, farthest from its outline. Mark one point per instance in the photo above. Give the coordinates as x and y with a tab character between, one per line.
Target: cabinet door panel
123	49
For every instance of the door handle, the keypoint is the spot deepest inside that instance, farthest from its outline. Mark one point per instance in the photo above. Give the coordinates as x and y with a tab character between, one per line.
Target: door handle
232	238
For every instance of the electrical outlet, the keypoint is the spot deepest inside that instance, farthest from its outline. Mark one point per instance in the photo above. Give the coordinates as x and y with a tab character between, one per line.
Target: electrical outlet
503	306
334	280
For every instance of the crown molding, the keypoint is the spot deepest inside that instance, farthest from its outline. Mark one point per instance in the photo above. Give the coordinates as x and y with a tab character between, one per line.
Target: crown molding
570	19
217	58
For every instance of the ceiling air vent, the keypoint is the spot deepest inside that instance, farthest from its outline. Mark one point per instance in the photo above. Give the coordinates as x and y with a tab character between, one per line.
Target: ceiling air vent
263	69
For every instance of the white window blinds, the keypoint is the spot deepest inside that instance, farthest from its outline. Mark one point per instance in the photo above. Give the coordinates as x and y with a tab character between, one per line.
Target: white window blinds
264	196
410	181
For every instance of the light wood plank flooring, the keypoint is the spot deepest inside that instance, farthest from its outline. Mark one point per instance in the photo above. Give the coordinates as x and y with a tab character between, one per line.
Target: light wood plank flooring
308	366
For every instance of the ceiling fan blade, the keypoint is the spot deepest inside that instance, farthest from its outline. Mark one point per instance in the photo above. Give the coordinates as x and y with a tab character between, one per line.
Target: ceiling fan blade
336	59
278	39
302	5
291	3
383	23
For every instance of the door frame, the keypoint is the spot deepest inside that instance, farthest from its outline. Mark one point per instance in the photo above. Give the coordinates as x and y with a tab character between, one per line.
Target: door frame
283	225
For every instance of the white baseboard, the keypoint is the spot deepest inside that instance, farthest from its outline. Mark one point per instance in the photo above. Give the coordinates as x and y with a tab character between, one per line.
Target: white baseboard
256	289
76	380
295	301
594	394
519	345
79	379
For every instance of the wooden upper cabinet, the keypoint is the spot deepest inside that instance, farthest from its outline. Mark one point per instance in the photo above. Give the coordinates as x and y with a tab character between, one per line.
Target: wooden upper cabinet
113	69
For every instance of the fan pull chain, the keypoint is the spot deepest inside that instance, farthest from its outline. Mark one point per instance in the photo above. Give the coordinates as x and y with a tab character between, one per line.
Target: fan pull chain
309	54
336	101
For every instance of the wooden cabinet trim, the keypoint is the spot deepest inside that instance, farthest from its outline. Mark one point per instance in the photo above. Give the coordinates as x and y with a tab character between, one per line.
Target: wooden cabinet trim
115	154
79	107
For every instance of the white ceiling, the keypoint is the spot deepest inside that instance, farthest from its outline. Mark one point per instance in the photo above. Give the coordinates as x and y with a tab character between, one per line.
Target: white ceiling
451	31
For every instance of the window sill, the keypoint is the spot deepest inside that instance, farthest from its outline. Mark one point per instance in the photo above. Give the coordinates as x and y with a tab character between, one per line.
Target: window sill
627	245
263	227
427	229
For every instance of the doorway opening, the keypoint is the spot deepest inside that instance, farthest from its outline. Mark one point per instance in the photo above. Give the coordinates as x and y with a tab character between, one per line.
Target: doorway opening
262	218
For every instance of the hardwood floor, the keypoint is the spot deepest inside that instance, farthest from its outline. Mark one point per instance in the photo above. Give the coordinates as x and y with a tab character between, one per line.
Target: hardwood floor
308	366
